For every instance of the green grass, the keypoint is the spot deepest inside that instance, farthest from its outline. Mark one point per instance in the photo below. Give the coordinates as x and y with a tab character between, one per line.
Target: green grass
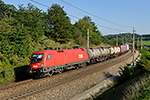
146	42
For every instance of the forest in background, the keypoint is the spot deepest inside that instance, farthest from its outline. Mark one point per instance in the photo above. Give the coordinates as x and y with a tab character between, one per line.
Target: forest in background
126	38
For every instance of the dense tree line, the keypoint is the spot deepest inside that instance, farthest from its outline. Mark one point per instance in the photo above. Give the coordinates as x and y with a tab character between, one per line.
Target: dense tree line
146	37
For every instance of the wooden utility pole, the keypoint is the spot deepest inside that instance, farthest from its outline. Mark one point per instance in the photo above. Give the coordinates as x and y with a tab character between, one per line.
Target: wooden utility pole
133	46
87	39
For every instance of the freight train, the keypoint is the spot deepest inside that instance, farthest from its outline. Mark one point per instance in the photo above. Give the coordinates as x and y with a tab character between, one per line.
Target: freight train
47	62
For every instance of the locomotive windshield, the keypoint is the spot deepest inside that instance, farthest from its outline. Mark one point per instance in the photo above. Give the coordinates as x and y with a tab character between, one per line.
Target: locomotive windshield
36	58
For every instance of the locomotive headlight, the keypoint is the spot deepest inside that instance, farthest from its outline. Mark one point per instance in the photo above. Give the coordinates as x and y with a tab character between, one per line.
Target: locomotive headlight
35	66
42	65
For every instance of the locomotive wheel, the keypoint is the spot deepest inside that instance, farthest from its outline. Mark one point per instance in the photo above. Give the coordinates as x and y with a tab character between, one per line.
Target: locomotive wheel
77	66
43	75
83	64
51	72
92	61
36	76
60	70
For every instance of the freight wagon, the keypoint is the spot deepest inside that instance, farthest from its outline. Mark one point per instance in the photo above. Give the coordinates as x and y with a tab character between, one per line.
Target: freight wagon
117	51
124	48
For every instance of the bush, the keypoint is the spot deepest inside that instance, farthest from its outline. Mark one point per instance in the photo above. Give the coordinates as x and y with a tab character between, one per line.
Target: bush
126	73
144	62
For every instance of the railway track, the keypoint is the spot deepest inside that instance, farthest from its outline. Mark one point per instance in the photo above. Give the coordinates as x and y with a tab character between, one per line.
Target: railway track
30	87
16	84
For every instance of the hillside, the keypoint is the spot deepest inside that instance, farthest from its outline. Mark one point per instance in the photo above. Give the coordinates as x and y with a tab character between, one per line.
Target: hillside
23	30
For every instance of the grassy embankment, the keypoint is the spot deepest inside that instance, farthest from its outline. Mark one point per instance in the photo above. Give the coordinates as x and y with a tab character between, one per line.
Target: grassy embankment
133	89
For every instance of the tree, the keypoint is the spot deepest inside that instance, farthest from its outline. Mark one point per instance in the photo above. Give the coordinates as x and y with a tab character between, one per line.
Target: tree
14	41
113	41
31	20
21	32
86	23
6	10
137	44
105	40
77	35
93	26
95	38
83	26
59	26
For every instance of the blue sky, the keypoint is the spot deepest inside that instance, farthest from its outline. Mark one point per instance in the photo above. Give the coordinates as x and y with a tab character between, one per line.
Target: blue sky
131	13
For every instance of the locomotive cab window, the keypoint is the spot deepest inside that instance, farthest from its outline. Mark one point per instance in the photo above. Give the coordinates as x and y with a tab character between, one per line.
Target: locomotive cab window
37	58
48	57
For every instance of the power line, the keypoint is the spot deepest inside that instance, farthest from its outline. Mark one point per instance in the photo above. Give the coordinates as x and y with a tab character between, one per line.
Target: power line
79	18
94	15
110	28
39	3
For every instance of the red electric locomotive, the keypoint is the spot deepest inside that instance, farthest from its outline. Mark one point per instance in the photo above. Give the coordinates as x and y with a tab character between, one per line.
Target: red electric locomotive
46	62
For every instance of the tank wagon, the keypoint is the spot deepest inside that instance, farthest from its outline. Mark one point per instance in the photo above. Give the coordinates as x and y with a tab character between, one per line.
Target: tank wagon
47	62
100	53
95	54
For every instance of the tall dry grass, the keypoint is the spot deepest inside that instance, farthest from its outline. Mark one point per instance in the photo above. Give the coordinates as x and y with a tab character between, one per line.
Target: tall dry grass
133	91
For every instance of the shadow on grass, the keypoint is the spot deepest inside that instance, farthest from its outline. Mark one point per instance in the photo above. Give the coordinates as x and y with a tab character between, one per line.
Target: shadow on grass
113	93
20	73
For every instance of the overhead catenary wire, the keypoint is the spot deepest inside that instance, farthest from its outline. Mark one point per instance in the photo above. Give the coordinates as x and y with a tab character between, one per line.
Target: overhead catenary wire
95	15
78	17
39	3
